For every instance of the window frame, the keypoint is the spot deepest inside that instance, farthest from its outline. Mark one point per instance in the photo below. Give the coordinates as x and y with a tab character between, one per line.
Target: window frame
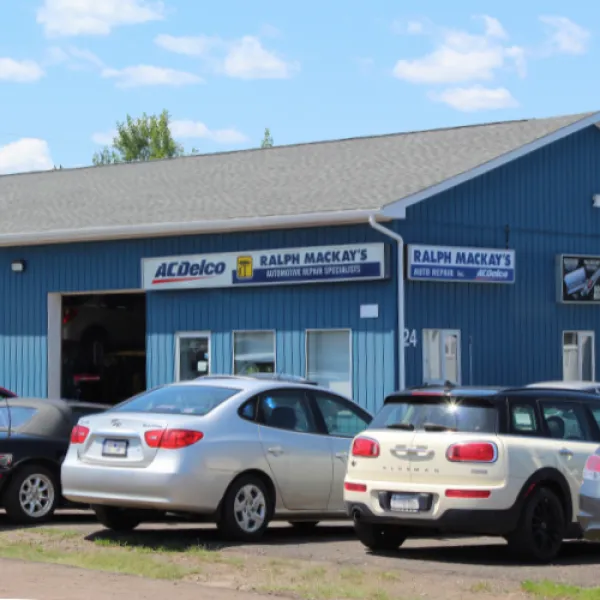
578	334
238	331
444	333
259	419
347	330
565	401
319	415
179	335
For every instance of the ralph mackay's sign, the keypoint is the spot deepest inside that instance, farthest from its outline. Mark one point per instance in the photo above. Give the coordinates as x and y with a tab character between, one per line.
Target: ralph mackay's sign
355	262
468	265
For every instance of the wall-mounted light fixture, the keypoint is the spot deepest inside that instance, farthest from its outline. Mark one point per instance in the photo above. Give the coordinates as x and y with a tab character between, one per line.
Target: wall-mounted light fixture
17	266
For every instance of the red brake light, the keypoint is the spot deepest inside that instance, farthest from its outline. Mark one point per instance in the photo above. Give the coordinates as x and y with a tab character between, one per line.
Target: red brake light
593	464
355	487
171	439
79	434
365	447
472	452
468	493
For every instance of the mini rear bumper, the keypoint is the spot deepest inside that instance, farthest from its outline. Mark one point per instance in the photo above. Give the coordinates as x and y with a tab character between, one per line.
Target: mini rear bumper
144	488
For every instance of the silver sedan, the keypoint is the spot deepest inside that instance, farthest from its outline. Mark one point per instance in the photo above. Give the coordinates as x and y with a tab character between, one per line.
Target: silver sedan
238	451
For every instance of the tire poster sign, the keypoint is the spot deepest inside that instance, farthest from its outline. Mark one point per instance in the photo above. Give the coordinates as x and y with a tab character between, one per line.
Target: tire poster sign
579	279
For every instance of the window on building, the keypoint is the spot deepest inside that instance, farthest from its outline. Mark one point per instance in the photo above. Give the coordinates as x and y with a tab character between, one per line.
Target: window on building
192	355
578	356
329	359
253	352
441	355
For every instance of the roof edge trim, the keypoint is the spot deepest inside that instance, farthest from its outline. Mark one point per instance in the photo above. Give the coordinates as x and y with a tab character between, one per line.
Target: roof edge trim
95	234
397	209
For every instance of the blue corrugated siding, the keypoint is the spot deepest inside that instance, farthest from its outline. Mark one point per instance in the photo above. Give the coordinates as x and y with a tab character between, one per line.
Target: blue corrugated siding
516	331
116	266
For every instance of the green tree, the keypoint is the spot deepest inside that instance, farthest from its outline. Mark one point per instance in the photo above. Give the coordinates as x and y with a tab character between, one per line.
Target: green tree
267	141
144	138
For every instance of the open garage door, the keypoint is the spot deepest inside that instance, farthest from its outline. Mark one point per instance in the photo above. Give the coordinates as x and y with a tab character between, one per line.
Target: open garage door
103	346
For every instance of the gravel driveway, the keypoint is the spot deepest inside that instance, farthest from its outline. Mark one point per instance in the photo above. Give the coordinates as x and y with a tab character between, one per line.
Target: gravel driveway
474	558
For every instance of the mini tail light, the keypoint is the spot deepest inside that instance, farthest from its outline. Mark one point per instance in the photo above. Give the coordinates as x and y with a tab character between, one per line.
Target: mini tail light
171	439
69	315
365	447
468	494
79	434
472	452
355	487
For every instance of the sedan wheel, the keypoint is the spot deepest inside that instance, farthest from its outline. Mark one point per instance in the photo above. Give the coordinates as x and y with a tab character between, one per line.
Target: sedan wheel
246	509
31	496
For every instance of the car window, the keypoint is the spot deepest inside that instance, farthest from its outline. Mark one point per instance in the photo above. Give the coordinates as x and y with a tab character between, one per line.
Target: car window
566	420
523	420
341	418
19	416
183	399
287	409
248	410
78	412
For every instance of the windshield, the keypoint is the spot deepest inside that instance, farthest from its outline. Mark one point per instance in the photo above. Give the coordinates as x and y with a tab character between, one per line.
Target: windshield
435	413
196	400
19	416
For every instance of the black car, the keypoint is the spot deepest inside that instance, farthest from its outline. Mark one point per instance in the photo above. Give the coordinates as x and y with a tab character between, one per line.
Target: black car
34	438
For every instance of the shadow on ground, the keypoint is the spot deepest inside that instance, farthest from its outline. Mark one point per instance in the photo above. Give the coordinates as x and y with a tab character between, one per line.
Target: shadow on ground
72	517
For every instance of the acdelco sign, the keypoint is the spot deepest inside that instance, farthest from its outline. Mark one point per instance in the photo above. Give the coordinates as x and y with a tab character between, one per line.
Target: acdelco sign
181	271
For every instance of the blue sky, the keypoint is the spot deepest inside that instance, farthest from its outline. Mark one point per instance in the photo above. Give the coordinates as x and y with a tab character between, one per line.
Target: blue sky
70	69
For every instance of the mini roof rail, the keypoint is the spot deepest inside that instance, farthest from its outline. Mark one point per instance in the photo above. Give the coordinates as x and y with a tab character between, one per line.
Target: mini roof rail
266	376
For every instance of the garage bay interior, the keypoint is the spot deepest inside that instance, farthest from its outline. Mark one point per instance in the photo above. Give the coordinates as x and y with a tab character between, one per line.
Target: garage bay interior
103	346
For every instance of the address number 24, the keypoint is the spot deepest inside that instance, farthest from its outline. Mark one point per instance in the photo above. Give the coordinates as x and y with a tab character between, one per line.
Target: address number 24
410	337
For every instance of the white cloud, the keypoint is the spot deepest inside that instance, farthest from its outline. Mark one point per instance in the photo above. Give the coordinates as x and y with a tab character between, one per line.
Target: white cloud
565	36
462	57
186	129
148	75
20	71
245	58
73	58
189	45
475	98
414	27
410	27
26	154
95	17
198	130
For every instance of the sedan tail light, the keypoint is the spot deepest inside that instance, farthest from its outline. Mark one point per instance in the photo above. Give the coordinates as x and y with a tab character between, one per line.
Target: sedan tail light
592	467
365	447
79	434
171	439
472	452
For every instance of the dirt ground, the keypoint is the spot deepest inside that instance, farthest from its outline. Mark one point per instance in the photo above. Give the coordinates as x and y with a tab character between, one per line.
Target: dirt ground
325	565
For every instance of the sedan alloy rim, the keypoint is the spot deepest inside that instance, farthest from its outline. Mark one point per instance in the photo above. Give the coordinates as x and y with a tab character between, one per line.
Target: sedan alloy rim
250	508
36	496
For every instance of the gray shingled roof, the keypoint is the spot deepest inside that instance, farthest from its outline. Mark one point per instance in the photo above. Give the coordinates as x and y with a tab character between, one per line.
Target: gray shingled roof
353	174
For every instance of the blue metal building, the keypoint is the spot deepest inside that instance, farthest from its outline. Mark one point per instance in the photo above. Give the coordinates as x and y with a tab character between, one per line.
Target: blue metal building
519	189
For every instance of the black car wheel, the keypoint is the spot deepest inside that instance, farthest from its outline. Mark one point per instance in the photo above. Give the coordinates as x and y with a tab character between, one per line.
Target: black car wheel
379	538
32	495
117	519
541	529
246	509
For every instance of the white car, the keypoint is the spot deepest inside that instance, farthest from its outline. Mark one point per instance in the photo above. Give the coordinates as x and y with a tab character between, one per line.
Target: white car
593	387
236	450
499	462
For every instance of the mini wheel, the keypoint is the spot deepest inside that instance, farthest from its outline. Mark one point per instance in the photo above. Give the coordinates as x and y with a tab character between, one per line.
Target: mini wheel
379	538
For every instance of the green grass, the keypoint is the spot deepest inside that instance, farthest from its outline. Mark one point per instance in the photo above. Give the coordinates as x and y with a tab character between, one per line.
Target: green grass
130	563
481	587
548	589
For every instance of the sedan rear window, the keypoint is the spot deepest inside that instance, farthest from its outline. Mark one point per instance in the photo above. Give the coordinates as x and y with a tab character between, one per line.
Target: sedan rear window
196	400
437	413
18	416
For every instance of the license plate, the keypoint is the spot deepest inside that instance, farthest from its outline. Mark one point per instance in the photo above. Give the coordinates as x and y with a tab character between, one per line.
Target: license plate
114	448
404	502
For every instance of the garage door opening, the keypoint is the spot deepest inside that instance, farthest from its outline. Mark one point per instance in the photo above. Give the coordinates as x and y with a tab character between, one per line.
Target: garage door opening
103	347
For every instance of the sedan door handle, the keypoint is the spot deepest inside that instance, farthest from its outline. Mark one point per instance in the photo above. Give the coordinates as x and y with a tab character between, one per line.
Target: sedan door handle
342	455
565	452
275	450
